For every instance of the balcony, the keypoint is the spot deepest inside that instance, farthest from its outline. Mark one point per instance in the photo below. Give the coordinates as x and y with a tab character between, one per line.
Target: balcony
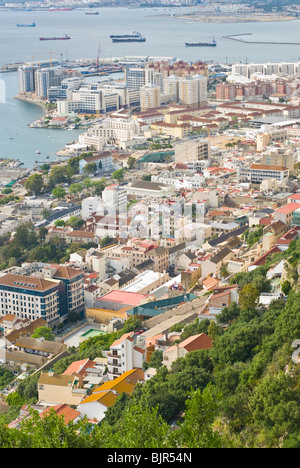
114	355
112	363
114	373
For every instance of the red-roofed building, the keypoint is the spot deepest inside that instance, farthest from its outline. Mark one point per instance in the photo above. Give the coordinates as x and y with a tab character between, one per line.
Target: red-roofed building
193	343
79	367
284	241
69	414
285	213
263	258
117	299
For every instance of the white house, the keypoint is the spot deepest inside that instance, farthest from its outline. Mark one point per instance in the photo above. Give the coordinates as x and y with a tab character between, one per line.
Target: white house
95	406
123	356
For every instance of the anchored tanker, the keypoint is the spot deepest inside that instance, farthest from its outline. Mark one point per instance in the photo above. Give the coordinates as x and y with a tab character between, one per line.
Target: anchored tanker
62	38
201	44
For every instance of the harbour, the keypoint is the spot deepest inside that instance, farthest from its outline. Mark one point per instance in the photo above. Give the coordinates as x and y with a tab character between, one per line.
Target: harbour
167	35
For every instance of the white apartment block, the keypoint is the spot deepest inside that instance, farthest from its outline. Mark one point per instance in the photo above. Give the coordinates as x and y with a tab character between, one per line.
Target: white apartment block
103	161
91	205
110	131
115	198
259	172
89	101
290	68
124	356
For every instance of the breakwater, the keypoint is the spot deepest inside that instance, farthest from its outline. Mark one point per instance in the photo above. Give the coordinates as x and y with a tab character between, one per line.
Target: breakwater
237	37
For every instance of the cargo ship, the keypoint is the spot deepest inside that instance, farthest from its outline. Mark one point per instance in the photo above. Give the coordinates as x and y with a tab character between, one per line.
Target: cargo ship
133	37
201	44
32	25
62	38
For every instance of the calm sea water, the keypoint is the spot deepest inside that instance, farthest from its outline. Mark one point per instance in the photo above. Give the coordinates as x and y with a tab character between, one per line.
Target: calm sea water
166	37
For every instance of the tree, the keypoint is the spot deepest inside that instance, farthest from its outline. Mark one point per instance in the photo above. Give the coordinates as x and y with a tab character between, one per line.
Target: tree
44	332
224	272
87	183
25	236
99	186
286	287
59	192
6	191
45	167
59	222
213	330
73	162
75	188
75	222
139	428
45	212
34	184
90	168
229	313
60	175
14	399
131	161
248	297
197	429
42	233
118	175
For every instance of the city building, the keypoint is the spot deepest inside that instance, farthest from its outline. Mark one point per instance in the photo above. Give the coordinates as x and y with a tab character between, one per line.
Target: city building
29	297
123	356
26	78
192	90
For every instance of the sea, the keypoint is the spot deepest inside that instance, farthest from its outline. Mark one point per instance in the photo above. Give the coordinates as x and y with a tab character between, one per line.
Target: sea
165	34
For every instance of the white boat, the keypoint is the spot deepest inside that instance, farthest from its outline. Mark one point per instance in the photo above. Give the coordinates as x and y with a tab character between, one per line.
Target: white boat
38	152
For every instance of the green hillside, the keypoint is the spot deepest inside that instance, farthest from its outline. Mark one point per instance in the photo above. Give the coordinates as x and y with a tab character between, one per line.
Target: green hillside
244	392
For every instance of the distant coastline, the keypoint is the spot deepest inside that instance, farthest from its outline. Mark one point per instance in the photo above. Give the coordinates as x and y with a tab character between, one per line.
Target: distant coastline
231	18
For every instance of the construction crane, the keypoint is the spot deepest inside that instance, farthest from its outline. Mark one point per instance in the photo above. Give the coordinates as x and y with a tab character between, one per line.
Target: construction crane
98	56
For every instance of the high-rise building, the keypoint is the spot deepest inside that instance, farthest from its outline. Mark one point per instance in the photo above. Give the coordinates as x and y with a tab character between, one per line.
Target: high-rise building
43	81
51	293
135	77
30	298
26	77
171	87
192	90
149	96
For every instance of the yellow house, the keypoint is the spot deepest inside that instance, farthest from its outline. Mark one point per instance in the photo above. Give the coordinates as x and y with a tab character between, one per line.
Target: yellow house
54	389
172	130
103	397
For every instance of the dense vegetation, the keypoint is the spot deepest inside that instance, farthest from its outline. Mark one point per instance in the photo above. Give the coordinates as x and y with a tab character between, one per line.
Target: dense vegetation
244	392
